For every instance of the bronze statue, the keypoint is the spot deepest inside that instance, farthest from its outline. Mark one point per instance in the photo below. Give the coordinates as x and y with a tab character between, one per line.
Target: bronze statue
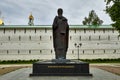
60	35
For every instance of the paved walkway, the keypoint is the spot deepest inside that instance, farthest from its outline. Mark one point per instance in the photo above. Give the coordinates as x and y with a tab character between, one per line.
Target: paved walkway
30	65
23	74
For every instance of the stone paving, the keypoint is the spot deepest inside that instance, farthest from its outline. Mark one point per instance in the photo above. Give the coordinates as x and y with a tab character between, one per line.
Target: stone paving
23	74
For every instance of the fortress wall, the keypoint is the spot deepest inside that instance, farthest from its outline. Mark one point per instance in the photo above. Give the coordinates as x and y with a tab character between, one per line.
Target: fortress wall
37	43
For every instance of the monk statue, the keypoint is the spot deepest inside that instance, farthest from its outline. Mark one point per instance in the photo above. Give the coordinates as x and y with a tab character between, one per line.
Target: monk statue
60	29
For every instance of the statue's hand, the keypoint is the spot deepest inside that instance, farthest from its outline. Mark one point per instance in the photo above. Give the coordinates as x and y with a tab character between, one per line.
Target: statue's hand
62	33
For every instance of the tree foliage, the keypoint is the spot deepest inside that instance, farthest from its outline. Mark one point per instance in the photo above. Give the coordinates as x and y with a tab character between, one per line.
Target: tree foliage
92	19
113	9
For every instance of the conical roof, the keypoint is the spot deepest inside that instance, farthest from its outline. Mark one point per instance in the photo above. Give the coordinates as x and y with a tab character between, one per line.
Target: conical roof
1	21
31	17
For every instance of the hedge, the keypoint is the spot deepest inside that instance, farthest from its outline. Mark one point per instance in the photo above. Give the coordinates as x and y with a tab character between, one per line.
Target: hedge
35	60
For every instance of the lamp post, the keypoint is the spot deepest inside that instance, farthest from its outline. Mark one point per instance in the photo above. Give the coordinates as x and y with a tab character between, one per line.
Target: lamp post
78	46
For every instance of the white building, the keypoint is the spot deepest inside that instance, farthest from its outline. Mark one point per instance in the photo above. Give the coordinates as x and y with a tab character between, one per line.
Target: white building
35	42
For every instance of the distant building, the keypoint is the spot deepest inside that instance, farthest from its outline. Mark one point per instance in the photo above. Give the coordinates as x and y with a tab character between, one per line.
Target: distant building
1	22
31	19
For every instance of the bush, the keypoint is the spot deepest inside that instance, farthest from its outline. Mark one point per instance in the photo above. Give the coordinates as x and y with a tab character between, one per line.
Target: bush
35	60
18	61
101	60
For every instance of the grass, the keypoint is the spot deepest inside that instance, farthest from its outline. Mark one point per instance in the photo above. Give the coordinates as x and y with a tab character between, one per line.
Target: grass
85	60
101	60
18	61
9	69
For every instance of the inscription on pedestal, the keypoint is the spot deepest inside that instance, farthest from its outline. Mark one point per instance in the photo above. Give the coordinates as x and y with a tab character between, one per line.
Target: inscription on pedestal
61	66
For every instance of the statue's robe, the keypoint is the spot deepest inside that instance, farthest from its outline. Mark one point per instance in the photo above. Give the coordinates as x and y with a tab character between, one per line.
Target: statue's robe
60	37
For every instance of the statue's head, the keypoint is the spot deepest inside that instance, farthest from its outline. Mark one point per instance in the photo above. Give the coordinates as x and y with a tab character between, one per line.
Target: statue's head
60	11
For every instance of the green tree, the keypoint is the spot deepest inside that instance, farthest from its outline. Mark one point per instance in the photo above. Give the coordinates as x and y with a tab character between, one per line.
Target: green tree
92	19
113	9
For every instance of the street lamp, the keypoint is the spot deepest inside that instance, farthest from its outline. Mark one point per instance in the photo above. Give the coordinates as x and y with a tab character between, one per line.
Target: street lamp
78	46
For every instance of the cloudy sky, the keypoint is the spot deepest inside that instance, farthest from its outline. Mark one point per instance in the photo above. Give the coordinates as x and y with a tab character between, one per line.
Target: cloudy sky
16	12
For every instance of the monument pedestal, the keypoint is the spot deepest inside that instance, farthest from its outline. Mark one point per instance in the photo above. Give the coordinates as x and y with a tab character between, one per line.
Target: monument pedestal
65	68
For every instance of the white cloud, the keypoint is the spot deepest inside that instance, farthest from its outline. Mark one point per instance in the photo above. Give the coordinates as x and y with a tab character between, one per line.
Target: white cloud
44	11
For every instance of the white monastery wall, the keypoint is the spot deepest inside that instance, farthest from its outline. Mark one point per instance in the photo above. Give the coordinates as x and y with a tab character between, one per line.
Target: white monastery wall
37	43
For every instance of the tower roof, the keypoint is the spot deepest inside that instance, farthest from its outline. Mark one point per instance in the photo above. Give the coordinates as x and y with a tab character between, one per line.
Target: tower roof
1	22
31	17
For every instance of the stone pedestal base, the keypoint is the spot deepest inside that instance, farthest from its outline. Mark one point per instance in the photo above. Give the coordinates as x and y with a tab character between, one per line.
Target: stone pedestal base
52	68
